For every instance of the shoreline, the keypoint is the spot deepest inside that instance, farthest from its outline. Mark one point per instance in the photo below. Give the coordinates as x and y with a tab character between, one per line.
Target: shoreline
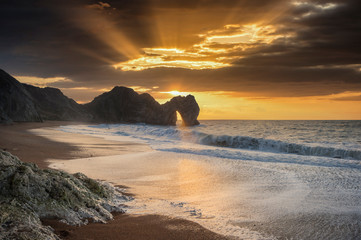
38	142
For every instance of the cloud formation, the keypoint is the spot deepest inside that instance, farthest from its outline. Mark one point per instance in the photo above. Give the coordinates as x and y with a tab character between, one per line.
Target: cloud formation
257	48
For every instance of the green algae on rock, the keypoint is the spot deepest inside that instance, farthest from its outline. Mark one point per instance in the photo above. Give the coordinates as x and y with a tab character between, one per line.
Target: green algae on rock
28	194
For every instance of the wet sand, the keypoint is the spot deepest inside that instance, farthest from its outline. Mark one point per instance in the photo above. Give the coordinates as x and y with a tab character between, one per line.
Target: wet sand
37	142
134	228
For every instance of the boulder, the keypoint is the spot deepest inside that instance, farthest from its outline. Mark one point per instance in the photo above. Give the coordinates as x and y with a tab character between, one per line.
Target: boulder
28	194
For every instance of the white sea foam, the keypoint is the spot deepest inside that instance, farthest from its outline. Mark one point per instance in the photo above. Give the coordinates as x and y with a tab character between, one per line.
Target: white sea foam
241	178
344	144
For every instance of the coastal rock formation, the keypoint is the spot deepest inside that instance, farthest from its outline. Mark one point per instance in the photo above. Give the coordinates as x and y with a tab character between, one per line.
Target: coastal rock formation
28	194
187	108
26	103
52	104
16	104
123	104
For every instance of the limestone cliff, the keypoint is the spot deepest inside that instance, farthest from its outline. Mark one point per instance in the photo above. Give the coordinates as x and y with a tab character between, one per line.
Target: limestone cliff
26	103
123	104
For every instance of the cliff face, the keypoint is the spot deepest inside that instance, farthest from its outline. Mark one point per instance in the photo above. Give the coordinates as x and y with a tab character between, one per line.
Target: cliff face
52	104
16	104
23	102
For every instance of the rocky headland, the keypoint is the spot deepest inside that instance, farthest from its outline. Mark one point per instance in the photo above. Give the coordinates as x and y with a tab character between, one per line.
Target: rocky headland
29	194
25	103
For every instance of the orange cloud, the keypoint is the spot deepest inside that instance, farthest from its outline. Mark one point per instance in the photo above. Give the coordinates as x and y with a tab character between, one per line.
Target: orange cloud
204	55
41	82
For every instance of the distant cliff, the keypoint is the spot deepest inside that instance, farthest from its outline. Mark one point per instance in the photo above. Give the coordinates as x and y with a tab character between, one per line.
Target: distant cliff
16	104
52	104
26	103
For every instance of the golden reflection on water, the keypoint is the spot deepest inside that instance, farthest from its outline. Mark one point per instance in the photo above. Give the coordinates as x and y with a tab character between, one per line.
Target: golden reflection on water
196	180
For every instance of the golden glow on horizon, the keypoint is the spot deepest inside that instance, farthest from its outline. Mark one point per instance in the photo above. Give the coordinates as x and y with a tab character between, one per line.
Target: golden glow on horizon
176	93
140	89
218	105
235	105
229	105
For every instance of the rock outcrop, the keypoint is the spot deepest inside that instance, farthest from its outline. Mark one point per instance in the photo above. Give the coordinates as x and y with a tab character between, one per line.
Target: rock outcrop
23	102
187	108
16	104
52	104
123	104
28	194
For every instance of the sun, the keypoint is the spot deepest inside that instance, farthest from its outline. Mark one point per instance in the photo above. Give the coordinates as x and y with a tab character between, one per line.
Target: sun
177	93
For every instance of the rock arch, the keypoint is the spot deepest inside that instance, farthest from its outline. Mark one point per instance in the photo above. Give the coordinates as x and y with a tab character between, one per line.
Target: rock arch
188	109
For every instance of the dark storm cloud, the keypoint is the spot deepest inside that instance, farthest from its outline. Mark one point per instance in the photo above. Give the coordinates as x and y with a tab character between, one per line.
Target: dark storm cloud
36	41
323	56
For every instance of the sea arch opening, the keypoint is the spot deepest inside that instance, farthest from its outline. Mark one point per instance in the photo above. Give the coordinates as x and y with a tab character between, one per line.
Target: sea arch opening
179	121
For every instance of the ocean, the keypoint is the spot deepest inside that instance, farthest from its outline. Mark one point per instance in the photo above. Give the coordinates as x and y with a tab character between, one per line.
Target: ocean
243	178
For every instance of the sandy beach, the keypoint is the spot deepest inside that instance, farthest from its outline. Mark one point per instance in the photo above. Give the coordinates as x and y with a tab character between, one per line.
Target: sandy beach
38	142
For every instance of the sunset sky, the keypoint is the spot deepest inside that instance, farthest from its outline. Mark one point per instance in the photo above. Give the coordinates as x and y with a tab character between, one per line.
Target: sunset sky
241	59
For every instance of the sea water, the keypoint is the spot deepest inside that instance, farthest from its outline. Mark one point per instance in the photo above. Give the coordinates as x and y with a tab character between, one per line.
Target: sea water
248	179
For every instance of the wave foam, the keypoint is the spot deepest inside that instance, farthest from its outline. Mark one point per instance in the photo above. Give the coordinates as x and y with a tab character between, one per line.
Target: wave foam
262	144
161	134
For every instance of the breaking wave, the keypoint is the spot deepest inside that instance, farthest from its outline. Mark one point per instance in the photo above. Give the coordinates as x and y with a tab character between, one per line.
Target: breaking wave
269	145
161	134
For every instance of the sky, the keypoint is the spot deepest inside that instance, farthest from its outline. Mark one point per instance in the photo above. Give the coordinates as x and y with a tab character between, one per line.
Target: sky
241	59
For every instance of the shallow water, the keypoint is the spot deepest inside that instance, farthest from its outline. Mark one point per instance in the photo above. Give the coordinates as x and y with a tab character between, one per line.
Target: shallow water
248	192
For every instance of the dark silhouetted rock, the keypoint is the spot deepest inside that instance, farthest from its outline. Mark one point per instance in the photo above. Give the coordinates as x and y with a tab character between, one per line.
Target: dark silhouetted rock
23	102
123	104
188	108
52	104
16	104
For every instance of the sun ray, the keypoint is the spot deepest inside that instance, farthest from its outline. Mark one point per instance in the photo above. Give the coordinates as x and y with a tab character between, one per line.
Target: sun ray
95	22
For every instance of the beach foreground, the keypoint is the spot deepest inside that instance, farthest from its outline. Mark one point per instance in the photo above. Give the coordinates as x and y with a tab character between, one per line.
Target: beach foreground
275	180
37	142
246	179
